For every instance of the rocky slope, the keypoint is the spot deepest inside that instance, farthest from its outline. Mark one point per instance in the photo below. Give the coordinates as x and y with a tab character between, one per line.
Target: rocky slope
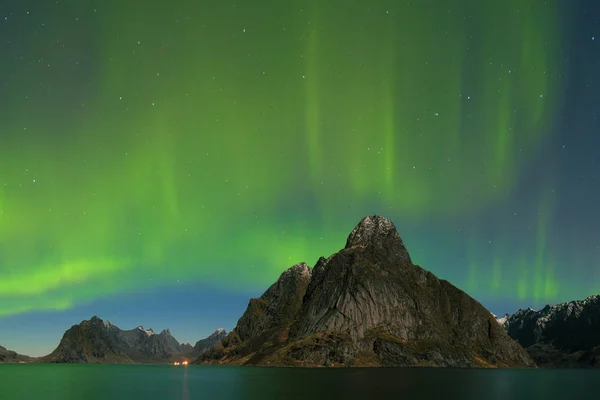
368	304
12	357
203	345
187	348
564	335
96	341
90	341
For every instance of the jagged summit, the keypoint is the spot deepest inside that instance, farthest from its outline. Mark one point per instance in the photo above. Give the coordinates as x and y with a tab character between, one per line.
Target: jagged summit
368	229
148	332
379	234
166	332
301	269
281	301
561	335
219	330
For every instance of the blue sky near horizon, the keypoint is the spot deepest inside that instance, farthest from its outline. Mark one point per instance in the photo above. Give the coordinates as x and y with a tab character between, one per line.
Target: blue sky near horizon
190	314
161	163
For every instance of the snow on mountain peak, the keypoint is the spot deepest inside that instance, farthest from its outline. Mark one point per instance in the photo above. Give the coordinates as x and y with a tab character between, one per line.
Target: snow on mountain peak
148	332
502	320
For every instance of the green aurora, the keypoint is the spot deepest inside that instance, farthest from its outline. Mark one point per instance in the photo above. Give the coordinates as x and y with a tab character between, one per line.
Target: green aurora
224	143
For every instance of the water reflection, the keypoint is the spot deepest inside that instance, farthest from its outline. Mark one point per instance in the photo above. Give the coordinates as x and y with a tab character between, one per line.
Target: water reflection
262	383
185	390
92	382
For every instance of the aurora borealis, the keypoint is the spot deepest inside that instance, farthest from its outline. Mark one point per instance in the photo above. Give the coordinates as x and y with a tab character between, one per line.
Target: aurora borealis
159	147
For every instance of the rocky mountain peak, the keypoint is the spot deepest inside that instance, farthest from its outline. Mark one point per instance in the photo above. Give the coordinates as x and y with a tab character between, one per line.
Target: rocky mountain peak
300	270
220	332
207	343
148	332
94	323
379	234
367	304
280	302
165	332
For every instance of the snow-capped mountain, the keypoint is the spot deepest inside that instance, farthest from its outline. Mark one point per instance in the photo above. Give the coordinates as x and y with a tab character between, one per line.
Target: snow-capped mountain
148	332
566	334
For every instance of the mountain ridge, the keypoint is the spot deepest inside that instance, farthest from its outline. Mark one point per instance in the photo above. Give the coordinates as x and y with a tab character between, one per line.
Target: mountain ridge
561	335
98	341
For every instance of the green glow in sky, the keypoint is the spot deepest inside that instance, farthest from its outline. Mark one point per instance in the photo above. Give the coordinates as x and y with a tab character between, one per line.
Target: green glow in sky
223	144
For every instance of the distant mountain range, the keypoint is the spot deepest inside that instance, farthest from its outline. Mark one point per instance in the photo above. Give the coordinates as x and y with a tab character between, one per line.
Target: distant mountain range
563	335
368	304
96	341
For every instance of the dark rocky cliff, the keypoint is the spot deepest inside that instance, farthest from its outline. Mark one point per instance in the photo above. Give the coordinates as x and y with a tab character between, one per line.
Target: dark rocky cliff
368	304
566	335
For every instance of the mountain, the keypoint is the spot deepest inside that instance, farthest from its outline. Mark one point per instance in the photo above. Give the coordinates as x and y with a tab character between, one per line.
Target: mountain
208	343
187	348
96	341
11	357
563	335
368	304
203	345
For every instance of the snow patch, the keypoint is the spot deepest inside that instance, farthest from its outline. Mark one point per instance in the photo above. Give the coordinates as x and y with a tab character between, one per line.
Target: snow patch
502	320
148	332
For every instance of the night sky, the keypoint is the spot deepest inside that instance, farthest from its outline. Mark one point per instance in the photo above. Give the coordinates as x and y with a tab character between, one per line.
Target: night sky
163	161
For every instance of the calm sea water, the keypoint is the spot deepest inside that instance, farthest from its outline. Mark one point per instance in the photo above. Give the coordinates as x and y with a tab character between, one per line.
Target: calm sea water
90	382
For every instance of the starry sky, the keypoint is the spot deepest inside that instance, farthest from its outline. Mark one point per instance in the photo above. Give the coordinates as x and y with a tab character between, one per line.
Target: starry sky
162	162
